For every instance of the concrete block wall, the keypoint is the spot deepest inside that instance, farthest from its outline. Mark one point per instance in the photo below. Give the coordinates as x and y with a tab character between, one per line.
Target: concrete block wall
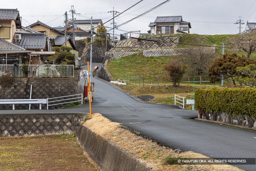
42	88
39	124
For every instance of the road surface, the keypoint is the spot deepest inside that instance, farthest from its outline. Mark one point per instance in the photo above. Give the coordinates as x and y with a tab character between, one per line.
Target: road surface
174	127
168	125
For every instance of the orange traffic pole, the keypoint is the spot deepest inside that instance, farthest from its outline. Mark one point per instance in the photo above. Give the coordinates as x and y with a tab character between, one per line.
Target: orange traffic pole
89	86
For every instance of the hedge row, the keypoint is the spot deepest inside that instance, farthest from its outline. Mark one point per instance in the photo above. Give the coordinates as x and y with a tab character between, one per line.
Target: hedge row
227	100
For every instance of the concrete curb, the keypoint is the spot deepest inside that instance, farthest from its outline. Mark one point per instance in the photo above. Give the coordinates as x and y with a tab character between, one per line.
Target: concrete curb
226	124
108	156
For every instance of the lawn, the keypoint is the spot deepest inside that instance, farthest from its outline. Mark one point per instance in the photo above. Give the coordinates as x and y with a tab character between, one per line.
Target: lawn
43	153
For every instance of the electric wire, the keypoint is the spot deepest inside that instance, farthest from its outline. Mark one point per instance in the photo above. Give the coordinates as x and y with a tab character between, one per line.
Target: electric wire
141	14
123	12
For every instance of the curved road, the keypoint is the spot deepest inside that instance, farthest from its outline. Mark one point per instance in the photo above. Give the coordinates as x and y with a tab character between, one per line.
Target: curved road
168	125
173	127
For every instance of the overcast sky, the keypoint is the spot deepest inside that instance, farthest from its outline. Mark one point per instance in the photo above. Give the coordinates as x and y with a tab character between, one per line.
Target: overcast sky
206	16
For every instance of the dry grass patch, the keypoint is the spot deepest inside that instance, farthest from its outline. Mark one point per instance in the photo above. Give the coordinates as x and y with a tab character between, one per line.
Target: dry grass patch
145	150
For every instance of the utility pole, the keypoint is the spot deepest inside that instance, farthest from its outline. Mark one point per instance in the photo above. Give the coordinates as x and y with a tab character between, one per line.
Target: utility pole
73	22
222	76
66	24
240	22
114	13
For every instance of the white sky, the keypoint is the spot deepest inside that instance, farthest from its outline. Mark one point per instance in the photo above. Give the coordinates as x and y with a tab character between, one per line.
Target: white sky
206	16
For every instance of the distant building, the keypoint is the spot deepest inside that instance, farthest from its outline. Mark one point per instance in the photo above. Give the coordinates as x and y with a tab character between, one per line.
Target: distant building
9	22
250	26
86	24
169	25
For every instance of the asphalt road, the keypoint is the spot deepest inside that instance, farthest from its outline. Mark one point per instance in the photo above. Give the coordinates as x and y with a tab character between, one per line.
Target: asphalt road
174	127
169	125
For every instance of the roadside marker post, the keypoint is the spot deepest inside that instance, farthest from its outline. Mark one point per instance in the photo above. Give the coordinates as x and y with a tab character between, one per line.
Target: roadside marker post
89	86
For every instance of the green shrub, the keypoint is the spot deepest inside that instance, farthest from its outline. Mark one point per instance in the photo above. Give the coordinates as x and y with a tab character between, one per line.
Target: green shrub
232	101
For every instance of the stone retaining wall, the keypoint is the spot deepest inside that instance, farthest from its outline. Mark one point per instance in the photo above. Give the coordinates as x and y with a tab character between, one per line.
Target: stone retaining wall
107	155
42	88
117	55
38	124
236	120
104	74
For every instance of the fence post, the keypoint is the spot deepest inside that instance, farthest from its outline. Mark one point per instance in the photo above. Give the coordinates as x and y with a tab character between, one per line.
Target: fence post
158	80
47	103
174	99
143	79
82	100
183	102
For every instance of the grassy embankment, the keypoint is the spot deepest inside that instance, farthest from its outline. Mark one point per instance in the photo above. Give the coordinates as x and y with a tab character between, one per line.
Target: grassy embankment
137	64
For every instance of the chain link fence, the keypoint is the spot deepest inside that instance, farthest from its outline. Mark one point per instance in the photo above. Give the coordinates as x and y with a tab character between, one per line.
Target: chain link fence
23	70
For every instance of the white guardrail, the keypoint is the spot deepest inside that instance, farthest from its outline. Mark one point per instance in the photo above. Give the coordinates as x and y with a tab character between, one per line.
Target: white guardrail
23	101
179	100
62	100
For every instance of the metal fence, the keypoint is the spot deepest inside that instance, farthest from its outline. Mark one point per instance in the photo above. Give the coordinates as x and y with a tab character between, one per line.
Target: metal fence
62	100
157	79
23	70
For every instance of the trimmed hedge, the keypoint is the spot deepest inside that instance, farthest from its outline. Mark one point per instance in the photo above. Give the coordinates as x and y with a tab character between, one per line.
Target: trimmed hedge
232	101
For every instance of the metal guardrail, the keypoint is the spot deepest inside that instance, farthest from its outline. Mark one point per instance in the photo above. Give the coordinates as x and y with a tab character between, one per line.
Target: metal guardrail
62	100
24	101
179	100
19	70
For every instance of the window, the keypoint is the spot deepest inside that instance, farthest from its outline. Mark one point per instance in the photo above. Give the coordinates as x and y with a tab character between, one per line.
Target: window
5	32
184	29
166	30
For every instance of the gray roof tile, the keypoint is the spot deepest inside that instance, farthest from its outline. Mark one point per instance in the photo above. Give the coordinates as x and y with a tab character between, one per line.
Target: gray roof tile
9	14
94	21
152	24
5	45
60	40
168	19
32	41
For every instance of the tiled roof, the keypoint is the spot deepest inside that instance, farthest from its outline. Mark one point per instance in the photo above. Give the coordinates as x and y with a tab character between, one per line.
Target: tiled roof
9	14
7	46
168	19
94	21
185	23
32	41
61	29
251	25
45	25
152	24
60	40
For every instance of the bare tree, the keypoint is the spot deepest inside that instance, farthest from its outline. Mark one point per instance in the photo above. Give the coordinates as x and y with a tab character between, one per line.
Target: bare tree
246	43
198	59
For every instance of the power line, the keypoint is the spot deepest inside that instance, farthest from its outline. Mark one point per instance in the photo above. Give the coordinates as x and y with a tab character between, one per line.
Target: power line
143	13
55	19
123	11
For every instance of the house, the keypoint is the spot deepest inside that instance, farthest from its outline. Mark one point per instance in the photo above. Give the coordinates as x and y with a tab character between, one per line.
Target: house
169	25
250	26
45	29
11	53
9	22
86	24
56	35
78	32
